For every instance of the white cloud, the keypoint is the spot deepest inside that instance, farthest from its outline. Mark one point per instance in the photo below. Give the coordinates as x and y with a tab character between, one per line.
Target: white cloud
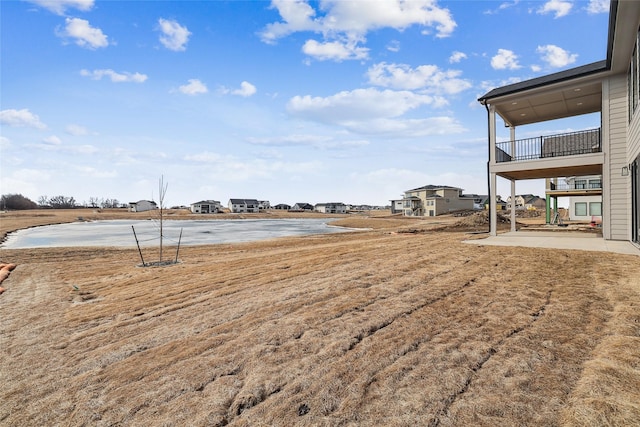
393	46
359	104
559	7
59	7
21	118
76	130
5	143
52	140
84	34
350	21
501	7
374	112
555	56
406	128
457	56
426	77
174	36
246	90
114	76
505	59
96	173
335	50
194	87
598	6
297	15
305	140
243	170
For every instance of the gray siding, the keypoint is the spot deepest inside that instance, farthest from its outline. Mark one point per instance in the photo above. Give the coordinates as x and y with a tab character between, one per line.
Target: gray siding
618	185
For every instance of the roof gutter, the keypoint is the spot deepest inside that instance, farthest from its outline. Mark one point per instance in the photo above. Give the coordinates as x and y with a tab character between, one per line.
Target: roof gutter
613	13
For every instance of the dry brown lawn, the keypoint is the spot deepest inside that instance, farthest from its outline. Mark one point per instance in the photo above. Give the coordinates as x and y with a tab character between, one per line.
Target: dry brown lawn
369	328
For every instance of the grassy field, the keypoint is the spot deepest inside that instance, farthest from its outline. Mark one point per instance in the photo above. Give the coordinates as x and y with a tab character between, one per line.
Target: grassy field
400	325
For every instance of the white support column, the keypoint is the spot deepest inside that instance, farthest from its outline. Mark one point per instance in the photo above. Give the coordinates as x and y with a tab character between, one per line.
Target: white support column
493	208
512	136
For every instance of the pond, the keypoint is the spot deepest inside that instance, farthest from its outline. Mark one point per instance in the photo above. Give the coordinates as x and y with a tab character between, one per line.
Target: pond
121	232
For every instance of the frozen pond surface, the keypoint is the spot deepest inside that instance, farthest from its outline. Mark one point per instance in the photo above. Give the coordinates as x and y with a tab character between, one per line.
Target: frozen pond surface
119	232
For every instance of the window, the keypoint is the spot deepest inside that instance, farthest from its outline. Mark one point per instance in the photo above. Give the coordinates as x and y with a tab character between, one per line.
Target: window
581	184
595	208
581	209
634	79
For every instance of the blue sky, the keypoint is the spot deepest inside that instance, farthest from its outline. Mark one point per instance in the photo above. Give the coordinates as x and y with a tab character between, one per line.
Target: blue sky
286	101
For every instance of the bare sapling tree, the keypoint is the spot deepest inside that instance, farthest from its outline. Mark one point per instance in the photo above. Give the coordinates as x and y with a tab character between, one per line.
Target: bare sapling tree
162	192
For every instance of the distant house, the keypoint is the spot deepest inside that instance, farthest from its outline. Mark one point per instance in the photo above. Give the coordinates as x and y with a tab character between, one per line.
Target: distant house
397	206
264	205
282	207
433	200
244	206
501	205
331	208
478	200
528	202
142	206
206	207
302	207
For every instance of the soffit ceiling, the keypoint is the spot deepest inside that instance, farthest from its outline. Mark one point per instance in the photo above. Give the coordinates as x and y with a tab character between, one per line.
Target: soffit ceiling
562	100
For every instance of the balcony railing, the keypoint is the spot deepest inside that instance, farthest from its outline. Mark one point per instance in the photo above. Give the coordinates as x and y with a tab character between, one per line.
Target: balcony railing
566	144
577	185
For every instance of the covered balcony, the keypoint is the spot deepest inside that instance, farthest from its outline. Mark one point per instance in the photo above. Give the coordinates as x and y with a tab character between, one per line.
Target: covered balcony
576	186
542	147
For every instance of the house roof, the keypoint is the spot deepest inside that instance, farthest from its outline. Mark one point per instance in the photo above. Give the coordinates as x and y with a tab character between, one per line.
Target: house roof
242	201
584	70
435	187
206	202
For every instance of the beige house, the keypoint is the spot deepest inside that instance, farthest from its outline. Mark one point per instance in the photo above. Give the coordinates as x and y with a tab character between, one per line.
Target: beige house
528	202
609	87
433	200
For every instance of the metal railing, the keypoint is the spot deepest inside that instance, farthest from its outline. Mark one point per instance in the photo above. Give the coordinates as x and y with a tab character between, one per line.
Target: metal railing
577	185
566	144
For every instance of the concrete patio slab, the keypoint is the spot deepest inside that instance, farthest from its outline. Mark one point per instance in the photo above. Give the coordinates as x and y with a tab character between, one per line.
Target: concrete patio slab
558	240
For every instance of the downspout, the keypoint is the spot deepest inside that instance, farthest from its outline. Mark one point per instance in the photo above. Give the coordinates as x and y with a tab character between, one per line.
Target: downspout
488	163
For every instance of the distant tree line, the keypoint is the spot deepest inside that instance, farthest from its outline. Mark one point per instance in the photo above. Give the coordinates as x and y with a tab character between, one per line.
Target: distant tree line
16	202
20	202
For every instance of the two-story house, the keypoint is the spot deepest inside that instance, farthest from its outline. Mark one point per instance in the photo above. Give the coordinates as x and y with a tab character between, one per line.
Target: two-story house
433	200
206	207
244	205
611	88
331	208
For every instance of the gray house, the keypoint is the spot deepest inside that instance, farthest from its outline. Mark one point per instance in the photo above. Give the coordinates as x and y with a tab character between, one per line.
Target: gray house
610	87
